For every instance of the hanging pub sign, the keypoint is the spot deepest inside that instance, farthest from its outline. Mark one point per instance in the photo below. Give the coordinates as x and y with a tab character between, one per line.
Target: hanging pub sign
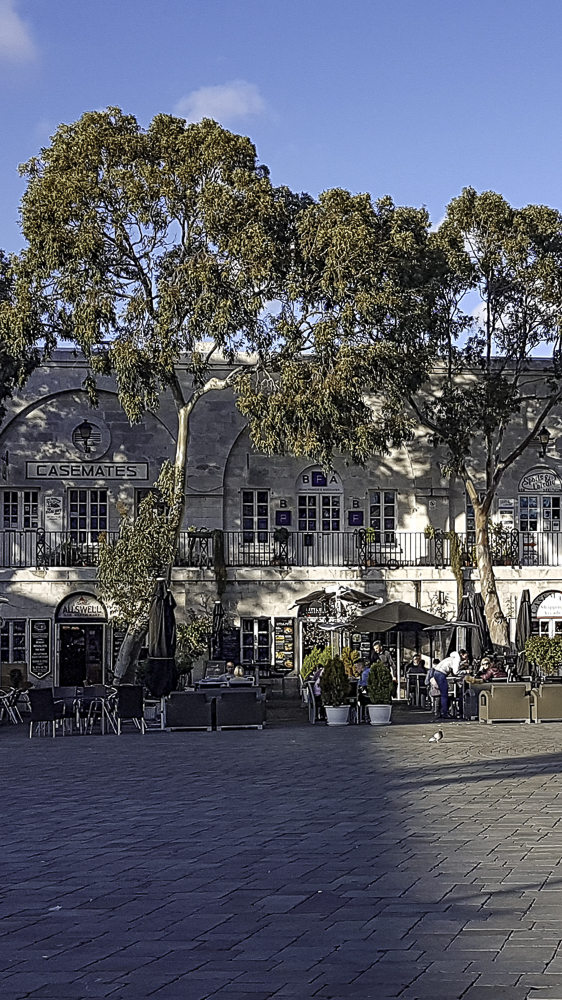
284	642
540	481
40	647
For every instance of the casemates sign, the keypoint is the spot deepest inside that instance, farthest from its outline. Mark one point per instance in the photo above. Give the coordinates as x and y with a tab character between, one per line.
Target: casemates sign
86	470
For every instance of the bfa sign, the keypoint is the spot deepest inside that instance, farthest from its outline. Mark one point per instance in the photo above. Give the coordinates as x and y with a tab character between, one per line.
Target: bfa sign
316	480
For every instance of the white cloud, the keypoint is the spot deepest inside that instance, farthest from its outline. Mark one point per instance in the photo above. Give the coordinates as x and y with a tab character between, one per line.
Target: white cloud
16	43
225	102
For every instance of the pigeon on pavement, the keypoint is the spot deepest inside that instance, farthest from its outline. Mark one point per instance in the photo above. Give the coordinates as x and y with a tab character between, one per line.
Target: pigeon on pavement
437	736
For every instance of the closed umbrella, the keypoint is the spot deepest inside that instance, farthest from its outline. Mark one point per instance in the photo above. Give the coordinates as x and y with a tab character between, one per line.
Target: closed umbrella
464	615
523	630
481	641
161	676
216	631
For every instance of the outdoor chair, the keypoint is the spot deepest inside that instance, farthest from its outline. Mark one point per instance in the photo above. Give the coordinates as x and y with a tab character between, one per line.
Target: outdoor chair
45	712
546	703
316	711
90	706
505	703
69	696
9	706
240	709
189	710
126	705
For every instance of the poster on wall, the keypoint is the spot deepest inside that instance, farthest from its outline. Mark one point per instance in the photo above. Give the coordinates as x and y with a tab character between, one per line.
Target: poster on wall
40	647
284	643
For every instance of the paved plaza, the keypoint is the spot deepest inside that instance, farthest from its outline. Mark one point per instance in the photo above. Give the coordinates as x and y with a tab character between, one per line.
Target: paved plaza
295	862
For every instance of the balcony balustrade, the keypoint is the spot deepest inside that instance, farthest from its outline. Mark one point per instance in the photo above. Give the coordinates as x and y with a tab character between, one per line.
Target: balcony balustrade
283	549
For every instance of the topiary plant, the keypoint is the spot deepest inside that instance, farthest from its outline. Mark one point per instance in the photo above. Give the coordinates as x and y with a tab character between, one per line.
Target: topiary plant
334	683
380	685
316	658
545	653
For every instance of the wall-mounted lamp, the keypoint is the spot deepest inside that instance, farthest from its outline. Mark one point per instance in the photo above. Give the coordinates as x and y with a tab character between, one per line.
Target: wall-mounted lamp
85	431
4	460
543	438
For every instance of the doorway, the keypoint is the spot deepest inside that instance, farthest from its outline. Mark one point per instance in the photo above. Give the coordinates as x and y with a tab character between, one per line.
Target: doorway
81	654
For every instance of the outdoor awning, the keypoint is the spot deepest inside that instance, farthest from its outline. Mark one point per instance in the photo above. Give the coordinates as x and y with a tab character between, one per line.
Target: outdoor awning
347	594
398	616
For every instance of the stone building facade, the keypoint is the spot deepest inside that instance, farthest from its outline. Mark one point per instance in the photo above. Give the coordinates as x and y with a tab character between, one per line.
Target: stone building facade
288	528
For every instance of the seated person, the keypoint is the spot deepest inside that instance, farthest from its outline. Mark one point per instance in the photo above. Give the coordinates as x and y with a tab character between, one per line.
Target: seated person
416	666
489	670
363	670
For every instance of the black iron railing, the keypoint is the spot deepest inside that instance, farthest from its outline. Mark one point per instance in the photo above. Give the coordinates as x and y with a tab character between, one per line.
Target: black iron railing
281	549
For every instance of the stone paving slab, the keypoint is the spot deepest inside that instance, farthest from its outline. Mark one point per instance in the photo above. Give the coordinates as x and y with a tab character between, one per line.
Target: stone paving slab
294	862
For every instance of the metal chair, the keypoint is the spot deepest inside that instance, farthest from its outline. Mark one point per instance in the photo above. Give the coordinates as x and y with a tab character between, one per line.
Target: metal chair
127	705
45	711
9	706
316	711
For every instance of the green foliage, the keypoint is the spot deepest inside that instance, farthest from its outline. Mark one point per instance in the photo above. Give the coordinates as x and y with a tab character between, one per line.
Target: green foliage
19	353
128	567
315	659
545	653
349	657
144	243
380	685
334	683
192	640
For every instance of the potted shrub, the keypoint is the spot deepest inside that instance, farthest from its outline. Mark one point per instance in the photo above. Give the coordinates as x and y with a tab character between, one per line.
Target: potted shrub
545	654
379	689
335	689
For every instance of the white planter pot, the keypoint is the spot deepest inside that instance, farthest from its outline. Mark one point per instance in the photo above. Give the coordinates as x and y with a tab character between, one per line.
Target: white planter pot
338	716
379	715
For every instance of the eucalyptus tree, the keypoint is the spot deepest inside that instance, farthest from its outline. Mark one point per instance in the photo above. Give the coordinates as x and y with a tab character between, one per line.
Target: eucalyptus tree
144	246
491	394
386	309
20	354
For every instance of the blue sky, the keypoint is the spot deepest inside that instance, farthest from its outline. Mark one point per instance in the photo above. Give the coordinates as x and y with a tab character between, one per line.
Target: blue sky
412	98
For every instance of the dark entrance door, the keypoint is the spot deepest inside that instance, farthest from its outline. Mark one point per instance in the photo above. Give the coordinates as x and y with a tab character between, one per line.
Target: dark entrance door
81	654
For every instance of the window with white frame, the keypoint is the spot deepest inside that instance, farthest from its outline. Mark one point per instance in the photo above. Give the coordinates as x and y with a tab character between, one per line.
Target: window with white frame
319	512
382	515
13	646
87	514
20	509
255	638
255	515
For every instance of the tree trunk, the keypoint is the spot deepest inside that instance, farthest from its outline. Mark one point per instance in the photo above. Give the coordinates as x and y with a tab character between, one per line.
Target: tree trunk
128	655
497	622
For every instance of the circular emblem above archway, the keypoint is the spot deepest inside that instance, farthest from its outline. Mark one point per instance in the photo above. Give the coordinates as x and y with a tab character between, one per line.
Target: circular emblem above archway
91	438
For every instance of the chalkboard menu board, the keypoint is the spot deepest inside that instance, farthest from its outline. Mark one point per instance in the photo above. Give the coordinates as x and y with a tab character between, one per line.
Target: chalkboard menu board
119	633
40	647
230	644
361	641
284	642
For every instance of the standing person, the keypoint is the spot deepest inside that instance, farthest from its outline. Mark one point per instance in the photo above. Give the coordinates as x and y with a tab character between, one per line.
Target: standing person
450	665
381	655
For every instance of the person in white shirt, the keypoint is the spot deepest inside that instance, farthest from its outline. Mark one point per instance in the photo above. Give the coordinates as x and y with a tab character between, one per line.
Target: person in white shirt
450	665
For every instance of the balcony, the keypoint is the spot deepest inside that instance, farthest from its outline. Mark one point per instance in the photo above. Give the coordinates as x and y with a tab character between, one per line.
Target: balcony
283	549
